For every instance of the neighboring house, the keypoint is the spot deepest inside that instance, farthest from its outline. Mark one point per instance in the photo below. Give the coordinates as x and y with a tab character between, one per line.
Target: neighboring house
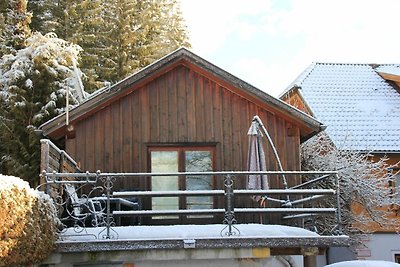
360	104
183	114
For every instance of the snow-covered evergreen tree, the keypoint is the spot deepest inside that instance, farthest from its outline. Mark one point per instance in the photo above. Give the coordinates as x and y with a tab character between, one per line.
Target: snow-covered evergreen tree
154	29
50	16
14	25
366	197
118	37
33	86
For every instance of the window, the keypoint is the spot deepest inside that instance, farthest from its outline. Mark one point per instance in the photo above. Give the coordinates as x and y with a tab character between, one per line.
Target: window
182	159
395	182
396	257
395	191
164	161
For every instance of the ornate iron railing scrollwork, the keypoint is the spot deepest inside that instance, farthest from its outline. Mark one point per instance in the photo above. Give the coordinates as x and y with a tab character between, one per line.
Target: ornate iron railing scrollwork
108	183
88	200
229	216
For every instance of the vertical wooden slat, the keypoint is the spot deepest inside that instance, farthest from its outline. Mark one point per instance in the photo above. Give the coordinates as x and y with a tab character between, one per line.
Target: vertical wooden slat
245	122
116	122
99	141
235	118
145	114
208	112
163	119
154	113
217	119
126	136
296	157
181	94
227	128
108	140
190	110
199	104
80	143
70	146
136	131
172	107
145	135
89	145
281	142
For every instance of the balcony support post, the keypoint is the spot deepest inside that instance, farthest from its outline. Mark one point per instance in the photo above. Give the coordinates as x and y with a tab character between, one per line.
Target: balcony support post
229	217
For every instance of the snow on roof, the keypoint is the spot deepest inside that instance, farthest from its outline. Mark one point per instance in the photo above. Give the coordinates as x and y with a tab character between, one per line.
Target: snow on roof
360	108
190	232
363	263
393	69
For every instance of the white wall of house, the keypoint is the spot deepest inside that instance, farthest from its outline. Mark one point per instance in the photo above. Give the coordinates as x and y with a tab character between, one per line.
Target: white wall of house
381	246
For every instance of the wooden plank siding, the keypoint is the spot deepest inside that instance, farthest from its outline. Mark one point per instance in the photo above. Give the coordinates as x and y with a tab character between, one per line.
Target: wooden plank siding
180	107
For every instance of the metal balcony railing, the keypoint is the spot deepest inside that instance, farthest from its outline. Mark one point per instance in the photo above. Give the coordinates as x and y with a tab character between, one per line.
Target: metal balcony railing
89	199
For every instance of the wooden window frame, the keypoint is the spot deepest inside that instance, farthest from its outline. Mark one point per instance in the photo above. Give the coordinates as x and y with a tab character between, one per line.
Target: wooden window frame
181	149
394	186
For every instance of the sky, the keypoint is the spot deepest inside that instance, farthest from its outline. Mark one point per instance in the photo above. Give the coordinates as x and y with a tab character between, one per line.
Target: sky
268	43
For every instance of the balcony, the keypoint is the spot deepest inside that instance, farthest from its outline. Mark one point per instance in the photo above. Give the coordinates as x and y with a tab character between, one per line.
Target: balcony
98	217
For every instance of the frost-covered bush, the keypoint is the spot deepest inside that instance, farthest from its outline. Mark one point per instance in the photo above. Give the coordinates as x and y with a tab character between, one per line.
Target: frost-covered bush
28	223
365	195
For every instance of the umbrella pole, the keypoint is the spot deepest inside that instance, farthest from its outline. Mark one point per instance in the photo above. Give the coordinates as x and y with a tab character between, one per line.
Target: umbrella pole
275	154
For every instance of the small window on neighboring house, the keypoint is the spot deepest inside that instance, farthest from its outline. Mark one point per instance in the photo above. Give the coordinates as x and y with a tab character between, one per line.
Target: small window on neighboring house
181	159
397	258
395	184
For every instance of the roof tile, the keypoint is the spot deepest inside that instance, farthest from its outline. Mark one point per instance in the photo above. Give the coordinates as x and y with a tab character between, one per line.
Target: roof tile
360	108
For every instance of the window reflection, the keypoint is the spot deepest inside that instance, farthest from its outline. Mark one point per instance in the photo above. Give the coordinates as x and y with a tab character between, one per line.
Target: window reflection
198	161
164	161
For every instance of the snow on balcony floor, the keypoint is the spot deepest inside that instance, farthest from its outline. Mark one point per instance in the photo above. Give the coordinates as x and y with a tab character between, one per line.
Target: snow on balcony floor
187	232
362	263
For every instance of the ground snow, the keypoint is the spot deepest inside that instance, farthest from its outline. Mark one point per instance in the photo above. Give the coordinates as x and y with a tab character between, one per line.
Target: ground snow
364	264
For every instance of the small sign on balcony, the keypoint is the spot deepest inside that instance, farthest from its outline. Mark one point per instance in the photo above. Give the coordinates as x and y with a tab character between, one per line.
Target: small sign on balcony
189	243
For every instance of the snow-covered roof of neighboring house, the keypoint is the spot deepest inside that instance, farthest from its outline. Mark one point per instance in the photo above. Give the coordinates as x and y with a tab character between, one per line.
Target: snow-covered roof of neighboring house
393	69
359	106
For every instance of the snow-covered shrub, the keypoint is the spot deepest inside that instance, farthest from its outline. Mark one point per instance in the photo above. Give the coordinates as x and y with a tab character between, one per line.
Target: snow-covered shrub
28	223
34	84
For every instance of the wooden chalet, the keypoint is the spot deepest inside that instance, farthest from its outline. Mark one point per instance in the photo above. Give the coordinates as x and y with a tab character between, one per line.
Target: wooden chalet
180	106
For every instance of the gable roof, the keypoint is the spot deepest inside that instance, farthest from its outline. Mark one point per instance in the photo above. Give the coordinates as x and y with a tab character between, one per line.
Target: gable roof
360	107
56	127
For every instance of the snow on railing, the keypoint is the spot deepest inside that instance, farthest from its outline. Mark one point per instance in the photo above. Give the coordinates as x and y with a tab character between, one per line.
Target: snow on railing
89	200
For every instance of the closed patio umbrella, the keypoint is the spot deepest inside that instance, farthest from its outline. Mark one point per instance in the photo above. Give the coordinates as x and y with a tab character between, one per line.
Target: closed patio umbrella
256	162
256	159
